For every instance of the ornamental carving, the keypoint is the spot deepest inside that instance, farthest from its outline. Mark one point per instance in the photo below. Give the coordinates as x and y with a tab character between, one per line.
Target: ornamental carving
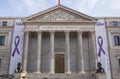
58	16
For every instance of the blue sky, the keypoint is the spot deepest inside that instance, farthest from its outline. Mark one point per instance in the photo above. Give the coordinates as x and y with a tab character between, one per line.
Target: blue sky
96	8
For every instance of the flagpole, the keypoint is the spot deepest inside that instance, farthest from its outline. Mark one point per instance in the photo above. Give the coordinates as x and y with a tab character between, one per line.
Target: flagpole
58	2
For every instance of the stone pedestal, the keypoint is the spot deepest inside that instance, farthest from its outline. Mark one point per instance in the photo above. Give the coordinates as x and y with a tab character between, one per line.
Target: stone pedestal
100	76
17	76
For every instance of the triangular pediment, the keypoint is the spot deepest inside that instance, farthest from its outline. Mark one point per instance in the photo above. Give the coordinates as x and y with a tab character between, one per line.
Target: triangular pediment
59	14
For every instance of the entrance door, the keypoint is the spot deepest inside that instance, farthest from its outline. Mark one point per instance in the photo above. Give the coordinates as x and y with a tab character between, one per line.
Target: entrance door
59	63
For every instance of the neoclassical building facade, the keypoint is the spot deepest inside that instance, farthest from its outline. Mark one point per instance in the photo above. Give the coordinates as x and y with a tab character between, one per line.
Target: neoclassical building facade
60	43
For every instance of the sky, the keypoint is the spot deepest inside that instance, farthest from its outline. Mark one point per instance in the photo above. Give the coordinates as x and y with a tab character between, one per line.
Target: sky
95	8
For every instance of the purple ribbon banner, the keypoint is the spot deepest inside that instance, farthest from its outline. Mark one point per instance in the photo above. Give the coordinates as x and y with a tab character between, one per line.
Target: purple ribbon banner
100	43
16	42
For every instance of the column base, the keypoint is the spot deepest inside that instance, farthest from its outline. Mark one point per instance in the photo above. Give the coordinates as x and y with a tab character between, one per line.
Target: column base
68	72
24	72
81	72
92	72
52	72
37	72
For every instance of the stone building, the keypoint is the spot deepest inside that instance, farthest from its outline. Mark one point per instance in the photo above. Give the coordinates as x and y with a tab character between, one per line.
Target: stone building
59	43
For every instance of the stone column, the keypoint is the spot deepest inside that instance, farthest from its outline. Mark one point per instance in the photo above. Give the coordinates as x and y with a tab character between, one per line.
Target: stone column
94	50
39	52
52	68
25	55
67	52
80	53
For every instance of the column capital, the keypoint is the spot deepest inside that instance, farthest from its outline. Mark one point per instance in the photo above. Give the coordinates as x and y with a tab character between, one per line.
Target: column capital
92	31
39	32
27	32
67	31
80	31
52	31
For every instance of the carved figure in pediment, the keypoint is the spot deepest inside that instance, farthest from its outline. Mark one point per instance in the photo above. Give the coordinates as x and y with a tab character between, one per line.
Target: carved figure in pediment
58	16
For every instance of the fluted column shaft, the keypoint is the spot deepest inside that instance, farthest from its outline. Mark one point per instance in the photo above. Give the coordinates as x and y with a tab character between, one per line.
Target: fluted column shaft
39	52
67	53
52	68
80	53
25	56
94	50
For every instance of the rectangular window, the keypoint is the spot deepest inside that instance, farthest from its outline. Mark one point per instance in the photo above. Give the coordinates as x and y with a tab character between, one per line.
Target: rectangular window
118	22
4	23
119	62
2	40
114	23
117	40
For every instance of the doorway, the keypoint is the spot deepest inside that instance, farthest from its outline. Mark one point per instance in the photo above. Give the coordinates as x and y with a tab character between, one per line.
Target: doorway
59	63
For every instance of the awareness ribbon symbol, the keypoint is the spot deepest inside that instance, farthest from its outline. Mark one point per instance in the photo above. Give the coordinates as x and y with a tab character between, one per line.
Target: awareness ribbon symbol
16	42
100	43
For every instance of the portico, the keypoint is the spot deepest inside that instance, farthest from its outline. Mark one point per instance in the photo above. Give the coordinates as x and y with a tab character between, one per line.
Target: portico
73	58
59	41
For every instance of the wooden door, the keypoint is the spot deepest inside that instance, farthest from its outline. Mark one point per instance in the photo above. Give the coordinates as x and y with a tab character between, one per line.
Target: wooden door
59	63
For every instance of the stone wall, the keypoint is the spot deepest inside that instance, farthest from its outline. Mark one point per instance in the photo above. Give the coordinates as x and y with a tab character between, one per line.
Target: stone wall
114	56
5	59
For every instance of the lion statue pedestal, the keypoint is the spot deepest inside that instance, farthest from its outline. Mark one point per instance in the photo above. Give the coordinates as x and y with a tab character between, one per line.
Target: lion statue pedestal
100	75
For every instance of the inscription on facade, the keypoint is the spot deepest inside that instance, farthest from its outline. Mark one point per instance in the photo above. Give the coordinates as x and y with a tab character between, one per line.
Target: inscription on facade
59	27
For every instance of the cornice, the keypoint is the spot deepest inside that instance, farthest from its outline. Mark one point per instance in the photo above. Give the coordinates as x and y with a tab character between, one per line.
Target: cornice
12	17
59	23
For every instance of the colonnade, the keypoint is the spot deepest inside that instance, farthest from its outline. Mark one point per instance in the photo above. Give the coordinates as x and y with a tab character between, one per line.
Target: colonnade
81	68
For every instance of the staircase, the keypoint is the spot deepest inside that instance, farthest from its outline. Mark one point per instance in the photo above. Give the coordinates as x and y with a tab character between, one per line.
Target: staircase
59	76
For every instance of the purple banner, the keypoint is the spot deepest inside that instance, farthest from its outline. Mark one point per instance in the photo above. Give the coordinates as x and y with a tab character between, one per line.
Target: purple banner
16	42
100	44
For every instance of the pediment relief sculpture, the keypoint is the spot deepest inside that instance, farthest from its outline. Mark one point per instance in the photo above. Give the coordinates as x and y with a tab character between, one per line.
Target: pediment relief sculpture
59	16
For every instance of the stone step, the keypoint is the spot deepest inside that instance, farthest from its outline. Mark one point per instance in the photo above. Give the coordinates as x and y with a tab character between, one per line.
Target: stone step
60	76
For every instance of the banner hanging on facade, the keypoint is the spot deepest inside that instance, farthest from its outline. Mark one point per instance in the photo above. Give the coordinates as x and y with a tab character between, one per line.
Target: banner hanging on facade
17	46
102	47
